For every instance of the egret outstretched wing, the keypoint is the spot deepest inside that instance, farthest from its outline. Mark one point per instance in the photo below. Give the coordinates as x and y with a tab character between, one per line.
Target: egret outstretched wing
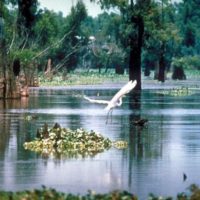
117	99
95	100
124	90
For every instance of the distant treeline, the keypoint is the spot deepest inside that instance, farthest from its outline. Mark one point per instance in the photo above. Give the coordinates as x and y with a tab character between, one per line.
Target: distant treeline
170	37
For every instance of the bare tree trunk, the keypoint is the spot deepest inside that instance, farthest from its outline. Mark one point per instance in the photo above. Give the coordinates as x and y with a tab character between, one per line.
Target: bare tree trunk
156	70
2	69
136	51
161	73
31	74
12	89
8	86
2	81
49	67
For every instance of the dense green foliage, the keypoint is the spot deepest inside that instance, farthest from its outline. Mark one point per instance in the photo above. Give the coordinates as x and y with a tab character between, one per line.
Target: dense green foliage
166	33
52	194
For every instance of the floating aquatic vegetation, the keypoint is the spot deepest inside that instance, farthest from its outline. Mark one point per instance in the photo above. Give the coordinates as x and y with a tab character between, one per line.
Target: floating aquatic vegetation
179	91
120	144
72	143
52	194
30	117
192	193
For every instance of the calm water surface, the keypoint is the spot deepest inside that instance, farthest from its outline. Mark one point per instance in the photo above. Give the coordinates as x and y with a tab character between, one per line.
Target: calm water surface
155	160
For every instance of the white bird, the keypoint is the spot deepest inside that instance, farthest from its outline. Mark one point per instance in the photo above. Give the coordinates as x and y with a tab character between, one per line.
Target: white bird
117	98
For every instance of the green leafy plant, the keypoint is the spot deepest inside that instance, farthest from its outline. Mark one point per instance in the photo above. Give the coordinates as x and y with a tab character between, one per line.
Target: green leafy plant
71	143
187	62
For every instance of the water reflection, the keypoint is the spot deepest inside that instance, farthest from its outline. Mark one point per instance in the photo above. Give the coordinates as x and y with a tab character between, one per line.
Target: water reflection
158	153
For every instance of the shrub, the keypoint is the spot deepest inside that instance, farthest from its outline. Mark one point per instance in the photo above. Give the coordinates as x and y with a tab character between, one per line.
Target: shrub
187	62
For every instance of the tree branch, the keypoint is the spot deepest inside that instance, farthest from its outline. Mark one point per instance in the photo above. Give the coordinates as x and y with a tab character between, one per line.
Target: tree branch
53	45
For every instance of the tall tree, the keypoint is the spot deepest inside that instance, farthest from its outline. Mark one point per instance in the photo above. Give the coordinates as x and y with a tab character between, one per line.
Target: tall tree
189	17
68	52
2	64
133	13
162	37
27	11
48	27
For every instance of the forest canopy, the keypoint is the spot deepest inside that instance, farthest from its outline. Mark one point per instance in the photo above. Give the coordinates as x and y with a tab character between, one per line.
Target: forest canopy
142	36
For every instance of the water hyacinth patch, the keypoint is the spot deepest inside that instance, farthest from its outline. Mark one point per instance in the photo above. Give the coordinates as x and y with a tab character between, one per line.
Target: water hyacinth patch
71	143
52	194
177	92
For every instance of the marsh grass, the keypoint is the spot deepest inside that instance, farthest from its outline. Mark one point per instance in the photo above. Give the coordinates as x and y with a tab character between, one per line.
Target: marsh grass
192	74
82	78
93	77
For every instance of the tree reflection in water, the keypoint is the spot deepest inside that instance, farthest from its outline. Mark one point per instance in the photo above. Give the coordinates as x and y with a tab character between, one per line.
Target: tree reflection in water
144	144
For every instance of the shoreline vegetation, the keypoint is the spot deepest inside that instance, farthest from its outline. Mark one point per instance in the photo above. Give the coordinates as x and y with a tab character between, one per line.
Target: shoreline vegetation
93	77
81	78
45	193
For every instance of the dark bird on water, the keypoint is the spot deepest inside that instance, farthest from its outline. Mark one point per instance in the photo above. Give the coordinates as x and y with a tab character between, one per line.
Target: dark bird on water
184	177
140	122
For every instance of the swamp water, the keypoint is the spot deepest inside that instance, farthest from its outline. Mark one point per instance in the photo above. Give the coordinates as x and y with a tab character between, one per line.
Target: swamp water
156	158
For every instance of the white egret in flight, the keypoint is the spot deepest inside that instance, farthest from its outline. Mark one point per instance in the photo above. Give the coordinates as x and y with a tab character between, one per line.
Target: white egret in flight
117	98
